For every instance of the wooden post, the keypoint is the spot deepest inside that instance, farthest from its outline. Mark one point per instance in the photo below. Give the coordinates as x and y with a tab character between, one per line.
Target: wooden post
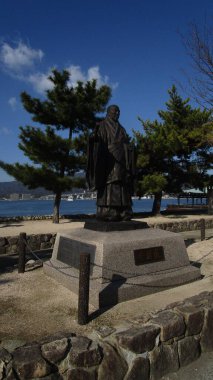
202	229
21	252
83	295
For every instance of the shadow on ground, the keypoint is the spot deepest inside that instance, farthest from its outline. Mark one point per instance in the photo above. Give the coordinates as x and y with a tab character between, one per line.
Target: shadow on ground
10	225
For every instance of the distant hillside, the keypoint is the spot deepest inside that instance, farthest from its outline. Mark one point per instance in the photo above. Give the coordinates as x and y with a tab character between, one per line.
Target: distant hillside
7	188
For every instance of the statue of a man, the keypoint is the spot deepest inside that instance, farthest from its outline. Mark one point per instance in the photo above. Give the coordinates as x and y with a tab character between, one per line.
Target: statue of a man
111	168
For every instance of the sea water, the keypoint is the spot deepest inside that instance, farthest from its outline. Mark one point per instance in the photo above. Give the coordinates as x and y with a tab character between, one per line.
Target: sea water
83	206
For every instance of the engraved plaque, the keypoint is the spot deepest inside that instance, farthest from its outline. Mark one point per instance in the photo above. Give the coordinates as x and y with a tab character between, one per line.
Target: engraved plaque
148	255
69	251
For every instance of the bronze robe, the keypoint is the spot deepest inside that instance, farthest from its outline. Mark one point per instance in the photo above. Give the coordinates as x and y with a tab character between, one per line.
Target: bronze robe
111	165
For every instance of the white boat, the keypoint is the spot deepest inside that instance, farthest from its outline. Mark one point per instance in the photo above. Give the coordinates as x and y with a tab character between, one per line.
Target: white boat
70	198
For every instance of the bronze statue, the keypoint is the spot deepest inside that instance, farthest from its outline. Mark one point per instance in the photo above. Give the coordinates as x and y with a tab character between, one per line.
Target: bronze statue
110	168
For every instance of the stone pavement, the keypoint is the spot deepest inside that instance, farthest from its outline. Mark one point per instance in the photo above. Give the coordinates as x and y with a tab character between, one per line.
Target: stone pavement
33	306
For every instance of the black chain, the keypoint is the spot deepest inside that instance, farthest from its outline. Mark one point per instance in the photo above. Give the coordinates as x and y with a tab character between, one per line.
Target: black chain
133	275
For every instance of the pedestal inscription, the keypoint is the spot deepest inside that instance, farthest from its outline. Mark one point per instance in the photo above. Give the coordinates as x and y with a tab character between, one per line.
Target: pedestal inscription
148	255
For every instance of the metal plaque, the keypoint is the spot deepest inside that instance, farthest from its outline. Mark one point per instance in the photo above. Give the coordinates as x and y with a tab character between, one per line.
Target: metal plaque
148	255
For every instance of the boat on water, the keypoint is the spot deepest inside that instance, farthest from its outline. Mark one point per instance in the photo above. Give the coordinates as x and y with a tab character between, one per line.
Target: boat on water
70	198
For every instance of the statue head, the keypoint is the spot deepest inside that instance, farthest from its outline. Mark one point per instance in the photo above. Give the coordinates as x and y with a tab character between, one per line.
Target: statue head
113	112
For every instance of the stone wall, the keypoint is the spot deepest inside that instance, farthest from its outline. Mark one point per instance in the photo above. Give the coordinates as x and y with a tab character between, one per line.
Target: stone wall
5	219
183	225
8	244
148	349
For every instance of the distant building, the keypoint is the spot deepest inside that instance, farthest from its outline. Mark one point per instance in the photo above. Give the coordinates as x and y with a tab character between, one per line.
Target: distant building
26	196
49	197
14	197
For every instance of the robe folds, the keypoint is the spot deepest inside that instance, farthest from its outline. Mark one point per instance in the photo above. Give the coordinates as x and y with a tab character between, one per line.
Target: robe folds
111	165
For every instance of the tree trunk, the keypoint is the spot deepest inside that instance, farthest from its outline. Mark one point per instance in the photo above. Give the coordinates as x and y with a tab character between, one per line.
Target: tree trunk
157	203
210	201
57	202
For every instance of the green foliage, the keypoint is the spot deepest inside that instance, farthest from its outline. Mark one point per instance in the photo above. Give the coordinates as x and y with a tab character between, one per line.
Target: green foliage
68	107
34	177
176	150
152	183
56	158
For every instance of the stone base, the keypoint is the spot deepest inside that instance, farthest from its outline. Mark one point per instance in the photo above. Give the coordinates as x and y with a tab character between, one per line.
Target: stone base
124	264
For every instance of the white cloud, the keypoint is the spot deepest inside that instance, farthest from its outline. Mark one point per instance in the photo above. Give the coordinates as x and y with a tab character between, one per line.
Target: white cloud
76	75
92	73
5	131
15	59
19	61
13	103
40	82
114	85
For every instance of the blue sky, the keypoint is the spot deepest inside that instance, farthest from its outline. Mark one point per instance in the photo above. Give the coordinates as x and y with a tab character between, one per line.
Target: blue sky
132	45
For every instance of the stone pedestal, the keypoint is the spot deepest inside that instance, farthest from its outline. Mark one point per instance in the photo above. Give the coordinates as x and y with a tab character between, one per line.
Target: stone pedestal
125	264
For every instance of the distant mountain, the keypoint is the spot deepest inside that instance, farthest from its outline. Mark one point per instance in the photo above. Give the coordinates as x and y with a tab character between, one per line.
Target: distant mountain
7	188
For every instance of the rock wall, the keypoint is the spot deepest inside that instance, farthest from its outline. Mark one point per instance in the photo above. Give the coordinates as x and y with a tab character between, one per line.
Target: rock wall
183	225
8	245
148	349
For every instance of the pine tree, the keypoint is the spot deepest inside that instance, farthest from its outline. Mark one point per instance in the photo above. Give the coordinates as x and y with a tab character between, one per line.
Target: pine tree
56	158
174	151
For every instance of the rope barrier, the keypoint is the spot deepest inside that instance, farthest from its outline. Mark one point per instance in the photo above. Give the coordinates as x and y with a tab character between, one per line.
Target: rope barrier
62	269
84	276
133	274
32	252
59	269
127	282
